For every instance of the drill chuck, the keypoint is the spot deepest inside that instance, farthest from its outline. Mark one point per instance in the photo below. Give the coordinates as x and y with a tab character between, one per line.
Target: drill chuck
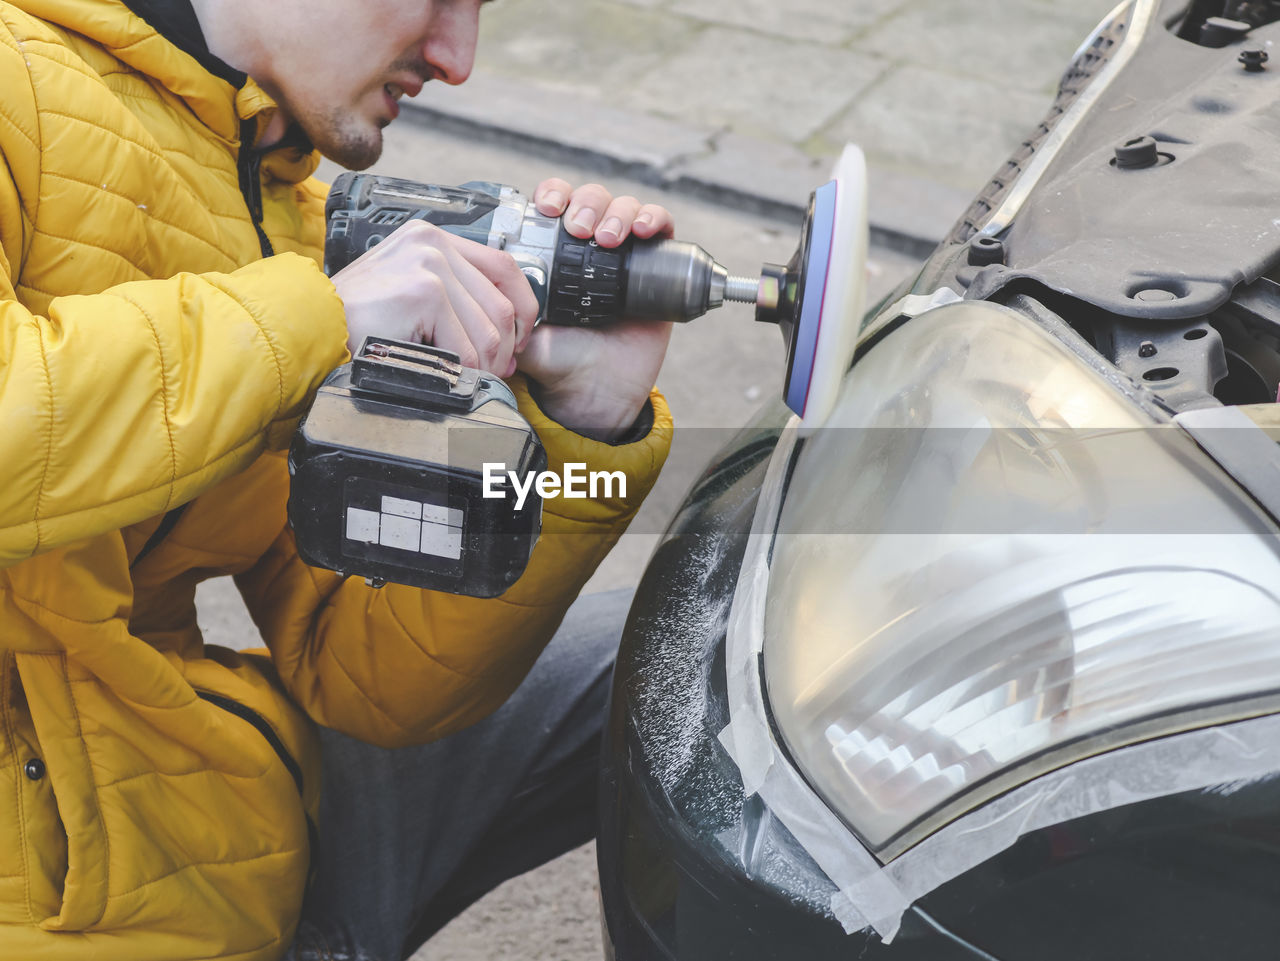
678	281
673	280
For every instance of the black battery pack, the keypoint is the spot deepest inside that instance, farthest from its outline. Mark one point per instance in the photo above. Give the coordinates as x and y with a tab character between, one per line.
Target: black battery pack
394	473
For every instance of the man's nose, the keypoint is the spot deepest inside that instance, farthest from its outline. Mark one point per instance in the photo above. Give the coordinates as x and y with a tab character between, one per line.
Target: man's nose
450	47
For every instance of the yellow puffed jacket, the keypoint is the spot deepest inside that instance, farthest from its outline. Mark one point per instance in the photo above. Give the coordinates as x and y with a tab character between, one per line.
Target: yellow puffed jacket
154	793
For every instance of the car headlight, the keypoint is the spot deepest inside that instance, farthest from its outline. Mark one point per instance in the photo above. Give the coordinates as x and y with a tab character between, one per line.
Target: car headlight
990	561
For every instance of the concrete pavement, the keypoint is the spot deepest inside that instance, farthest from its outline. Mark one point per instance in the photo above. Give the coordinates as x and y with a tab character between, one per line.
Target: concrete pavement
748	102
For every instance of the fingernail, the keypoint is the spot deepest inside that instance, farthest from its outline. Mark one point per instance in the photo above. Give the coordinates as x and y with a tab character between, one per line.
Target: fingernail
611	229
585	218
645	219
553	198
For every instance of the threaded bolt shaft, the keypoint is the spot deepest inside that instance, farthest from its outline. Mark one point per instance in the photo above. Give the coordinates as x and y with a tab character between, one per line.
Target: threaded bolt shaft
742	290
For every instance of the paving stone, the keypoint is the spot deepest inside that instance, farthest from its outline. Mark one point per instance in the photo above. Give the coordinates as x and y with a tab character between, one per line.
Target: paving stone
950	128
1024	44
819	20
754	85
564	119
909	212
594	48
778	174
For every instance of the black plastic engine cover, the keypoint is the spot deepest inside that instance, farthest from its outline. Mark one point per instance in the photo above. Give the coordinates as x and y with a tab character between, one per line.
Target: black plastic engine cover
1179	233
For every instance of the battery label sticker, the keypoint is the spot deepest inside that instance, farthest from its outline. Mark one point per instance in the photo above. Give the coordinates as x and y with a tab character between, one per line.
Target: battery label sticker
362	525
409	526
401	507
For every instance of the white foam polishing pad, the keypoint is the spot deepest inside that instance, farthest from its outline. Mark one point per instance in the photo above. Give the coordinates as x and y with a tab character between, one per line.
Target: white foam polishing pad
834	284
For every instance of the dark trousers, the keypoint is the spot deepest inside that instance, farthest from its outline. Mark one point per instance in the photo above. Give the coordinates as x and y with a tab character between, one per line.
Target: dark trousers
409	838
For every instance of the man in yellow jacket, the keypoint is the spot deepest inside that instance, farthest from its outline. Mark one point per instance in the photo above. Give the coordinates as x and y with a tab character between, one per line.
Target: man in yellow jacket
163	325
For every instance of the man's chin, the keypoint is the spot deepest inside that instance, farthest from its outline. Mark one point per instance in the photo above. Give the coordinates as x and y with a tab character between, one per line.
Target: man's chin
350	148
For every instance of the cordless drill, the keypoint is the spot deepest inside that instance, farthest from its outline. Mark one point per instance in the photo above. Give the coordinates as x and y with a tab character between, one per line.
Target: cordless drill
577	282
389	464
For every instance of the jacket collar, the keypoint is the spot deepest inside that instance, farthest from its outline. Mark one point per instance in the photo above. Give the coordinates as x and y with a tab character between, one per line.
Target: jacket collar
170	48
176	21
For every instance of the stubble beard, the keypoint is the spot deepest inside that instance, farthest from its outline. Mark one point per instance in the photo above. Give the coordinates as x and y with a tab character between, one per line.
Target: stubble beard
345	138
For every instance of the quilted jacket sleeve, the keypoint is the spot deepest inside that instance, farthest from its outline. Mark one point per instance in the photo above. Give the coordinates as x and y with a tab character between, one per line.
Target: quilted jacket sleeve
397	665
118	406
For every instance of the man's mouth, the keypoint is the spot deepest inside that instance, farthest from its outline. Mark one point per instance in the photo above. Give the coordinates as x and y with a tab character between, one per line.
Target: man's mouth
394	91
410	87
390	95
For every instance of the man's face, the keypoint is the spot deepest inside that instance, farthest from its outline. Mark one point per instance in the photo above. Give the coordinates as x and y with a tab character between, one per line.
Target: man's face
348	62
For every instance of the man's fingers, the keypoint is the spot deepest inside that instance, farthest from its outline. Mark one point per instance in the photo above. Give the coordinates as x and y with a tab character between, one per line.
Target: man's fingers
497	271
523	301
551	197
450	316
593	211
652	220
615	224
425	284
586	206
491	339
449	333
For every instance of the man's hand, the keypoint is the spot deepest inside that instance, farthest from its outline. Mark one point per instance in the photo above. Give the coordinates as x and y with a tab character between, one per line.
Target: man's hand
595	381
425	285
